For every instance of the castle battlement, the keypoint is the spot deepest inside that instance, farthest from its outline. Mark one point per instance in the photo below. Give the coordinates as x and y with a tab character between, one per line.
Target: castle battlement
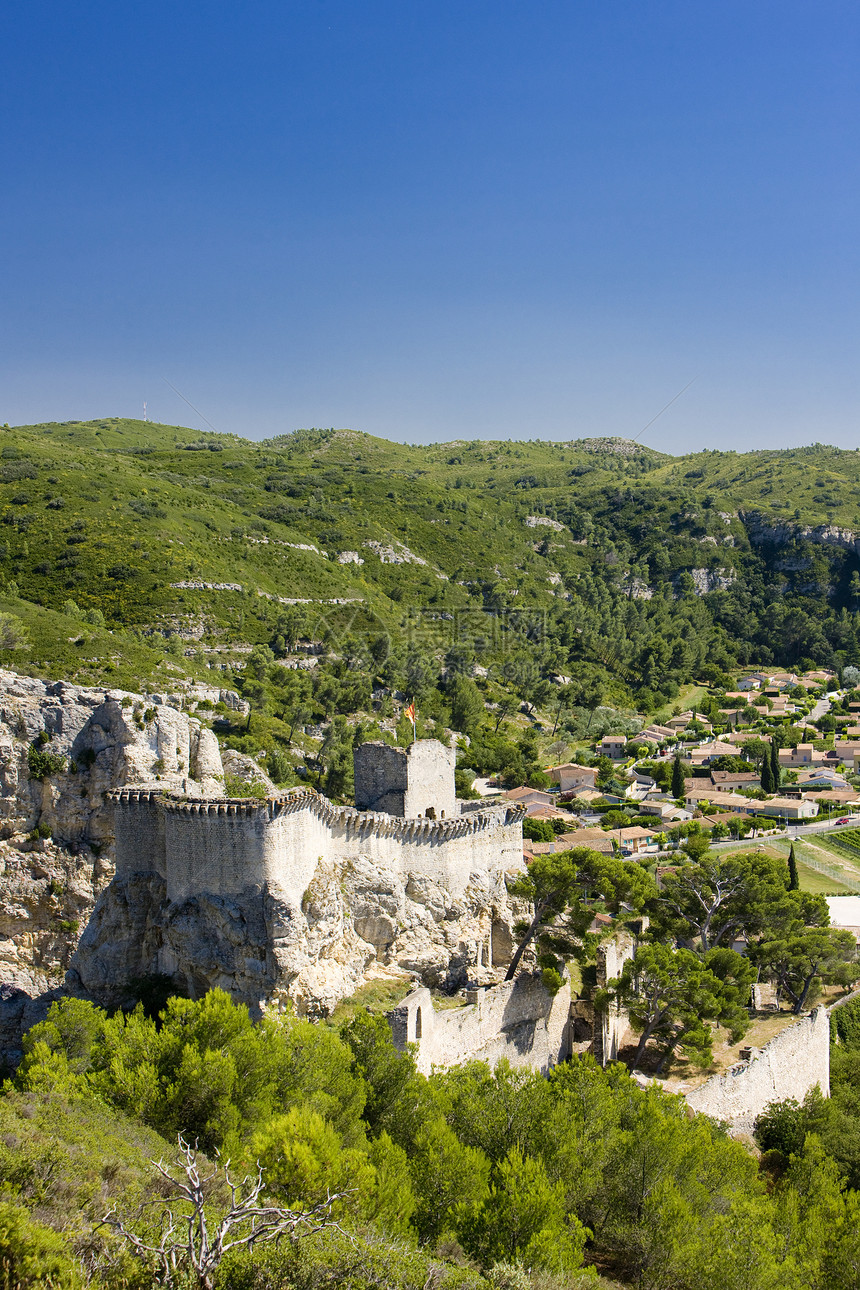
347	817
293	895
226	845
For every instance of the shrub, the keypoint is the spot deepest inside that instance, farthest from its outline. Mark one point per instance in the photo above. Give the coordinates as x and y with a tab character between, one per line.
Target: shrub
43	764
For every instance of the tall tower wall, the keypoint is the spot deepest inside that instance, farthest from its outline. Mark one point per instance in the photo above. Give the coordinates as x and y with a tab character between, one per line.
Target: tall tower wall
408	784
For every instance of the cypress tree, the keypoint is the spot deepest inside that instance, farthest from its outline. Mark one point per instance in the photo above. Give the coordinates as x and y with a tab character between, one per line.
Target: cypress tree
775	768
766	774
793	879
677	777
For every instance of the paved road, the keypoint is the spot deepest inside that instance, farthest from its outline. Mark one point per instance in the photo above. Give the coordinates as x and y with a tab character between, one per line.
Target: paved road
823	705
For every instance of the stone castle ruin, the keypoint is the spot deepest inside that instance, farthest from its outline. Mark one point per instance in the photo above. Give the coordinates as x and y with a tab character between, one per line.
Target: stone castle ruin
287	899
296	898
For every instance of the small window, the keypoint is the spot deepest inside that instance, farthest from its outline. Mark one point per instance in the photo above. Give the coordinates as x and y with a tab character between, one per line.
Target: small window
418	1024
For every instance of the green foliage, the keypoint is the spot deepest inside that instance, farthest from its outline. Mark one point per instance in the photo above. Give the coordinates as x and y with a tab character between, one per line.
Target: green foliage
43	764
561	890
715	899
527	1175
523	1216
797	957
678	790
671	995
538	830
793	878
202	1068
32	1254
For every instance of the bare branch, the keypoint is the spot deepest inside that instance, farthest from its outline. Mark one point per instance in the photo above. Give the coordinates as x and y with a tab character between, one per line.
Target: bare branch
205	1240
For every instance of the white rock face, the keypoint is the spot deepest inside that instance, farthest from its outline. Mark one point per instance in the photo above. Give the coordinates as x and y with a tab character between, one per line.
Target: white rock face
56	832
264	950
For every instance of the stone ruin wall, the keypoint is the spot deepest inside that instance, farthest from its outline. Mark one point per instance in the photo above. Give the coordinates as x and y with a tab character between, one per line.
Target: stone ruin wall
518	1020
790	1065
611	1026
226	847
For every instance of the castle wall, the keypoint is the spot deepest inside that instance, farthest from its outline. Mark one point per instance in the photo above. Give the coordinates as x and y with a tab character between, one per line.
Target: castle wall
380	774
792	1063
139	832
211	847
611	1026
518	1020
225	847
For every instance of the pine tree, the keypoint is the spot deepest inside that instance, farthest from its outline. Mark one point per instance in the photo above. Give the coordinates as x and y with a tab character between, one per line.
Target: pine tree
793	879
677	777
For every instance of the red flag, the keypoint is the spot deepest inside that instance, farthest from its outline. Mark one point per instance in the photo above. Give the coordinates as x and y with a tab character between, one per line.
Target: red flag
410	711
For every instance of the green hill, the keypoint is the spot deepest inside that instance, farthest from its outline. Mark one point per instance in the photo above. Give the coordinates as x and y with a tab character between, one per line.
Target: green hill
602	556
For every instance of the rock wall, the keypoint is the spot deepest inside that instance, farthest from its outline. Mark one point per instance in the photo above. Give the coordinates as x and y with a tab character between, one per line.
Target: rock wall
518	1020
790	1065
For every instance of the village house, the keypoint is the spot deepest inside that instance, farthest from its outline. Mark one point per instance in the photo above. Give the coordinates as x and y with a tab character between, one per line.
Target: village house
571	777
706	753
802	755
613	746
821	677
594	839
727	781
835	798
823	777
546	813
663	809
634	840
525	796
734	802
654	734
752	682
784	808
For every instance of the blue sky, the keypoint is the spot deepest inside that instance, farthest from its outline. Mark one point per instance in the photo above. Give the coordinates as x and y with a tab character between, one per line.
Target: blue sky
429	220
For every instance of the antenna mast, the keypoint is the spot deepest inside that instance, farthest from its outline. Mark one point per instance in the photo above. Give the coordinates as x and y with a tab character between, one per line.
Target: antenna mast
144	410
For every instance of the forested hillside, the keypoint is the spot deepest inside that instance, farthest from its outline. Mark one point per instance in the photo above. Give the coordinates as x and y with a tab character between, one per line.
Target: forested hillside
606	559
468	1180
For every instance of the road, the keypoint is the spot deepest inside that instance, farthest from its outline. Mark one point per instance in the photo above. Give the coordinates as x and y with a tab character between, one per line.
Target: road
822	706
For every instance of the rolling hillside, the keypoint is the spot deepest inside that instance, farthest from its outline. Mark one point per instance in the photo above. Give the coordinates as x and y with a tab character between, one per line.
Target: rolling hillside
620	561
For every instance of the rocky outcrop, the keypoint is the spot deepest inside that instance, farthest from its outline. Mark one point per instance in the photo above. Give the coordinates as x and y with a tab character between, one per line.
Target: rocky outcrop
63	748
421	897
768	530
264	951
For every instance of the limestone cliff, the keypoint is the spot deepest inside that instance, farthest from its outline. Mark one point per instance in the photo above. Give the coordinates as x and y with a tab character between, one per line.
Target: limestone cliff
295	898
63	748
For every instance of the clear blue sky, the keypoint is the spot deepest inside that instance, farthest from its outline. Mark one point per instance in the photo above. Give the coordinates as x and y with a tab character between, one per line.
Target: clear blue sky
434	220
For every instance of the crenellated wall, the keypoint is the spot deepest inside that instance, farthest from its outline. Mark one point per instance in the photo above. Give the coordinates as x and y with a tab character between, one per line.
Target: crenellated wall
227	846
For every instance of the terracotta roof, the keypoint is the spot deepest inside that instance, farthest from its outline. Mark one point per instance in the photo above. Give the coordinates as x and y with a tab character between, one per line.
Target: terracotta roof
523	792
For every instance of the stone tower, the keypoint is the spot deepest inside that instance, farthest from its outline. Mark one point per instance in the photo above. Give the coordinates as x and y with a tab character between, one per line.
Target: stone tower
419	781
